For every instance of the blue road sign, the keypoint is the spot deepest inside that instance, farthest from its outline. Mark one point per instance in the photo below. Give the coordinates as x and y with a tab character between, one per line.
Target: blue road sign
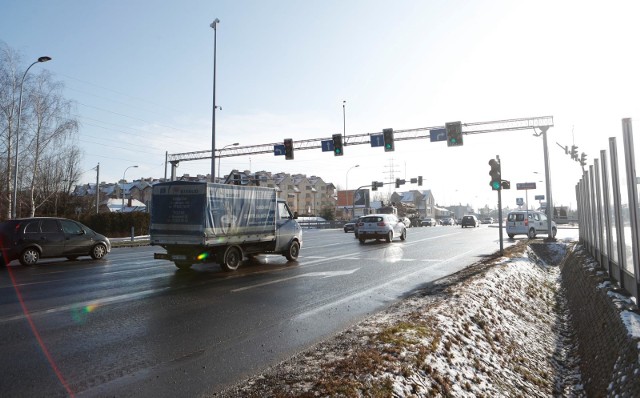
327	146
278	150
438	135
377	140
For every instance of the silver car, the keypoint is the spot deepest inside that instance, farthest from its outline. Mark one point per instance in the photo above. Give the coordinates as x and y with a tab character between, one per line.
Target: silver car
530	223
381	226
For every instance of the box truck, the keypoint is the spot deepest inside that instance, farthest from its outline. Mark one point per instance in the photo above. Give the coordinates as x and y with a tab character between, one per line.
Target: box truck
199	222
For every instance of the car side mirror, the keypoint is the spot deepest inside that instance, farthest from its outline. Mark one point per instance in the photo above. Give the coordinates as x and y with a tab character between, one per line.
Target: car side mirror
82	232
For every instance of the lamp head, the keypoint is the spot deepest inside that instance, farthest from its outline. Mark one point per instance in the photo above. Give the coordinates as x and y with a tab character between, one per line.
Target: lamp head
44	59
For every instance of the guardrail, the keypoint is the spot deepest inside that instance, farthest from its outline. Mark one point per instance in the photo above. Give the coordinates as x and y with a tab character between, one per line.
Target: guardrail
607	197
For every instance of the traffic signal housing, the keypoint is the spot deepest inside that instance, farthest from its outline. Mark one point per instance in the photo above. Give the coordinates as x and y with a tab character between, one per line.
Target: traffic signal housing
288	148
387	135
400	182
375	185
583	159
419	181
574	152
506	184
496	178
338	149
454	133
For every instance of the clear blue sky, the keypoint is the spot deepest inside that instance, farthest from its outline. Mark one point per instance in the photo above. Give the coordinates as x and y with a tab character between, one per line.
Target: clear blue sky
141	73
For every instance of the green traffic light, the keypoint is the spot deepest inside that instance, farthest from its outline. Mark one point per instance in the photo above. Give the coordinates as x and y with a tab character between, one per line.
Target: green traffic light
495	185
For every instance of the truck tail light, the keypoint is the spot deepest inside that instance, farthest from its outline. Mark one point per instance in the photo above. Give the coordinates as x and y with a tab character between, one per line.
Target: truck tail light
526	223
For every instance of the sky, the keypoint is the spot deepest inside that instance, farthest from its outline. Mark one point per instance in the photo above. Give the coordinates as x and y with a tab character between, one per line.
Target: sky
141	77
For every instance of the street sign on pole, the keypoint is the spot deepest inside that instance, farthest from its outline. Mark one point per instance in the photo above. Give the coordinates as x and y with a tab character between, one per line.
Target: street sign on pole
438	135
327	146
539	197
278	150
377	140
526	185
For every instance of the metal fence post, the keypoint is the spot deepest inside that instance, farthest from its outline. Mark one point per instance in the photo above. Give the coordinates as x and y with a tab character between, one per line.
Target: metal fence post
632	189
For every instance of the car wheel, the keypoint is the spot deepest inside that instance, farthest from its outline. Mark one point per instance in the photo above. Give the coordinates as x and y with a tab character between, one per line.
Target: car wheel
361	240
532	233
99	251
293	251
232	258
403	236
345	231
29	256
511	235
554	231
389	236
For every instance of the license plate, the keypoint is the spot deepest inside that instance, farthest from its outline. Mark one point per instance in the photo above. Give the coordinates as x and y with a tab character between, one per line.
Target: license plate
179	257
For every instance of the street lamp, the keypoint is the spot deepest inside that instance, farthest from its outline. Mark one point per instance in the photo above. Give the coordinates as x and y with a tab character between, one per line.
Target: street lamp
220	155
347	191
344	122
122	186
214	24
15	168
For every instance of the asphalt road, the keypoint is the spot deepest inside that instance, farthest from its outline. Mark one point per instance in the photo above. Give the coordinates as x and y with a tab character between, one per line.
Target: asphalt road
134	326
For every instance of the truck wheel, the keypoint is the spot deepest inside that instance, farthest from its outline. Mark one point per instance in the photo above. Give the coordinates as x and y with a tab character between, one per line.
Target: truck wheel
293	251
532	233
232	258
182	265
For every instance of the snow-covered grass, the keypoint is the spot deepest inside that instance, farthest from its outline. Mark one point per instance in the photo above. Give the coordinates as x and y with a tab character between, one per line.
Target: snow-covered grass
496	329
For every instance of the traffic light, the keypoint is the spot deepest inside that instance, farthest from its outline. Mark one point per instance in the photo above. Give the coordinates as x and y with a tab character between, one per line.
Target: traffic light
374	185
583	159
454	133
574	152
387	134
496	181
400	182
506	184
337	145
288	148
419	181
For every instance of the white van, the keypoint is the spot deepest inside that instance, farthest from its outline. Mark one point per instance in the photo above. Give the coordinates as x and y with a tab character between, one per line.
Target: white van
528	223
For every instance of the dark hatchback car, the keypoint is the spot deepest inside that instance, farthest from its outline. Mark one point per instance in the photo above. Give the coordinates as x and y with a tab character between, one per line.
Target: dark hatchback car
29	239
470	221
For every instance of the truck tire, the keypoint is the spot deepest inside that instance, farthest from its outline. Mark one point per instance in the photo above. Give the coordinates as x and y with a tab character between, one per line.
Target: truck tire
182	265
293	251
231	259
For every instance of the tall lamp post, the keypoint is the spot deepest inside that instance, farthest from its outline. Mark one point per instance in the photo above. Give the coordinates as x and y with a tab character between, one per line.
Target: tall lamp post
214	25
347	187
344	122
15	168
123	180
220	155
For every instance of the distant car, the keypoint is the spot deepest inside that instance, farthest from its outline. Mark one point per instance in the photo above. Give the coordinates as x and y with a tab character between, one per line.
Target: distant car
529	223
487	220
381	226
428	222
351	225
449	221
470	221
29	239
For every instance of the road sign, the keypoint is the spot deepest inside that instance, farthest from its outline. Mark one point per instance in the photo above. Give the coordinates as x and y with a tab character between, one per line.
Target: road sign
539	197
327	146
526	185
519	201
278	150
438	135
377	140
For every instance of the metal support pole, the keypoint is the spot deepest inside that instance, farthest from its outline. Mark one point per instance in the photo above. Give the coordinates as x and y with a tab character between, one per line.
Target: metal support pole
213	117
547	174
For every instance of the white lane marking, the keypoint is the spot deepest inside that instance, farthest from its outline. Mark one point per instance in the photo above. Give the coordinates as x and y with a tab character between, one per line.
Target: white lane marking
323	274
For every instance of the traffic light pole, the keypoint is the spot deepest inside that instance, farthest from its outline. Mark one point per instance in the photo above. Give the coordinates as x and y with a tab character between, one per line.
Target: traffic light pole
500	210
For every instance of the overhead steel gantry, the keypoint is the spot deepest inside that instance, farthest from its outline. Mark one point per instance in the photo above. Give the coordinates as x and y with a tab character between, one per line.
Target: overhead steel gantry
543	122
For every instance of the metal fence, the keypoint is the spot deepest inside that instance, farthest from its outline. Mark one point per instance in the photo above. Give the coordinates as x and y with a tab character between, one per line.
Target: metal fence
607	197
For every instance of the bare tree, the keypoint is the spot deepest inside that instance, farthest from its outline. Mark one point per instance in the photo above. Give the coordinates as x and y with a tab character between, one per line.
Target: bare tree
9	92
51	128
48	159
